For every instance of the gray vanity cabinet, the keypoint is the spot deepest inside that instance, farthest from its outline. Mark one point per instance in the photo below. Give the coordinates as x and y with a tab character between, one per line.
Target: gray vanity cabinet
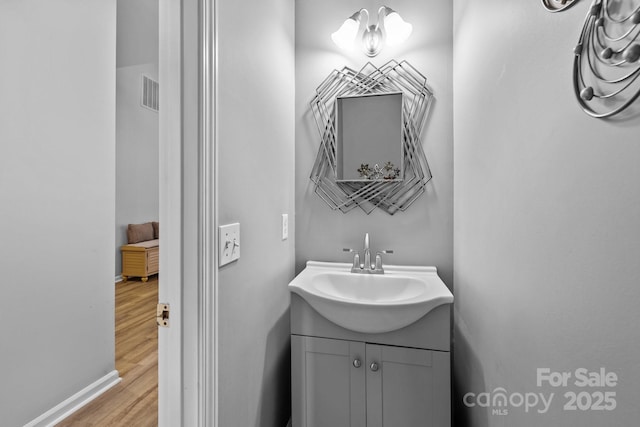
405	389
355	384
341	378
330	390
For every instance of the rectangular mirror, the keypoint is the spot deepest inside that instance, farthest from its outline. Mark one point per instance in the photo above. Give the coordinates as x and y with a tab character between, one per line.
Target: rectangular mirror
369	143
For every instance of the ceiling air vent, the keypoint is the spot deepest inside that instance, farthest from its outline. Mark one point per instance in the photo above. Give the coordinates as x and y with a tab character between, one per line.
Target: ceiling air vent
150	90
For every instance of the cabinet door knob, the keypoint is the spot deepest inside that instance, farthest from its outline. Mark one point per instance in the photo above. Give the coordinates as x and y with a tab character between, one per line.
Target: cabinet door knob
374	366
357	363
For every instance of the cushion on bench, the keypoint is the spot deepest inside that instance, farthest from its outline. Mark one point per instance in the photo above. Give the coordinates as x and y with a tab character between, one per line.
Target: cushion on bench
145	245
140	232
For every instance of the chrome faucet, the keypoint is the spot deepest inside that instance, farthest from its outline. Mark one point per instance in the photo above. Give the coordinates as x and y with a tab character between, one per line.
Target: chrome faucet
366	267
367	252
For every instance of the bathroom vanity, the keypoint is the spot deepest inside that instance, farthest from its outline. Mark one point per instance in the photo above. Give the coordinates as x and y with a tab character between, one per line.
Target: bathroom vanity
360	374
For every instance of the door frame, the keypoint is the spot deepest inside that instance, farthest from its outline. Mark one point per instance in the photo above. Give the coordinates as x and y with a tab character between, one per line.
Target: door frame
187	350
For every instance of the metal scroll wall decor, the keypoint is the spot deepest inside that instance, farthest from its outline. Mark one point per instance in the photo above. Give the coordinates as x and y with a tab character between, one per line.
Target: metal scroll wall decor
558	5
389	195
606	62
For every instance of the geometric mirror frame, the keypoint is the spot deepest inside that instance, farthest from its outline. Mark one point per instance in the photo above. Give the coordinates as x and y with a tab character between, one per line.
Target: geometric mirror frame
389	195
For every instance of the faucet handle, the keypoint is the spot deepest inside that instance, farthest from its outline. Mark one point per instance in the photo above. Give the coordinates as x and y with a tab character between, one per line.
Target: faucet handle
378	266
356	259
356	262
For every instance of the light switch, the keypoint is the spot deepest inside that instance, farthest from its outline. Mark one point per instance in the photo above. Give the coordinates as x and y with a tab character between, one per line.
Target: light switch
229	243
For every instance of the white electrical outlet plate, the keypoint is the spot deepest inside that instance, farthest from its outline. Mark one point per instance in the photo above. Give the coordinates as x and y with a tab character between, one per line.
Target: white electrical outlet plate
228	243
285	226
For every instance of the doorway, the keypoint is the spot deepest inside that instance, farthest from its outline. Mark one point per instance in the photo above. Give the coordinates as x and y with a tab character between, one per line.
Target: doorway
57	181
135	400
137	202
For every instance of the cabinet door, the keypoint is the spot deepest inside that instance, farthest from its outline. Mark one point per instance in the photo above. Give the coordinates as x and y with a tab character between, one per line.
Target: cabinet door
328	389
407	387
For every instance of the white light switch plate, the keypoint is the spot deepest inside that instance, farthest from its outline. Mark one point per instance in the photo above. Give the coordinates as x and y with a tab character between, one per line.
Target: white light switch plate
228	243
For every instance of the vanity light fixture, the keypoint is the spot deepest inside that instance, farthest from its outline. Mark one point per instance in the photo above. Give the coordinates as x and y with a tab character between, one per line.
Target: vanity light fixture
394	31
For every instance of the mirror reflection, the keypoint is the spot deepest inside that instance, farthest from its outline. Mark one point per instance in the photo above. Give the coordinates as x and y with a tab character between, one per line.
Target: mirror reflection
369	137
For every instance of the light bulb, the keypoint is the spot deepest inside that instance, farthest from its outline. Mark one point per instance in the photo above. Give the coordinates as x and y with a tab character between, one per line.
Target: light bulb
396	29
346	34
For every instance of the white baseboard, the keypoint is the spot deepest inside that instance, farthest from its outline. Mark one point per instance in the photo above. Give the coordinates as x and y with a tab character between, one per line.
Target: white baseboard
75	402
118	278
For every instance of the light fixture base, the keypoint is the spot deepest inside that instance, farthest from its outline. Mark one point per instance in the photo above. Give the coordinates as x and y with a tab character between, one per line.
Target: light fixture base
372	40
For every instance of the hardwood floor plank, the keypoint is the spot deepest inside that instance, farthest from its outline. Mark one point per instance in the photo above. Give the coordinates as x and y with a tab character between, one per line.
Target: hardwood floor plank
133	402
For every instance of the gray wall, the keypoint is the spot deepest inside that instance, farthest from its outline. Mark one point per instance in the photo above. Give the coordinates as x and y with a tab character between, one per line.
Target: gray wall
57	193
255	127
547	203
137	41
137	180
423	235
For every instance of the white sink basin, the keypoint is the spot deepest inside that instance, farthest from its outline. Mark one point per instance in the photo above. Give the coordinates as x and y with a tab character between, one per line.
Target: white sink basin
371	303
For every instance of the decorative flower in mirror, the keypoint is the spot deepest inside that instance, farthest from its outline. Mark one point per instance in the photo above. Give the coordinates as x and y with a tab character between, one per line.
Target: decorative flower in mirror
388	171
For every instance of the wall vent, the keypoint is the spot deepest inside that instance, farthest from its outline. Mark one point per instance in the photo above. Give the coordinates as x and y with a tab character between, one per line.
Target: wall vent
150	96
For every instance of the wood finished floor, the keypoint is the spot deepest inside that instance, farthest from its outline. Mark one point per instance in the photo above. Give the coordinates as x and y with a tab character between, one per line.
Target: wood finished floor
133	402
